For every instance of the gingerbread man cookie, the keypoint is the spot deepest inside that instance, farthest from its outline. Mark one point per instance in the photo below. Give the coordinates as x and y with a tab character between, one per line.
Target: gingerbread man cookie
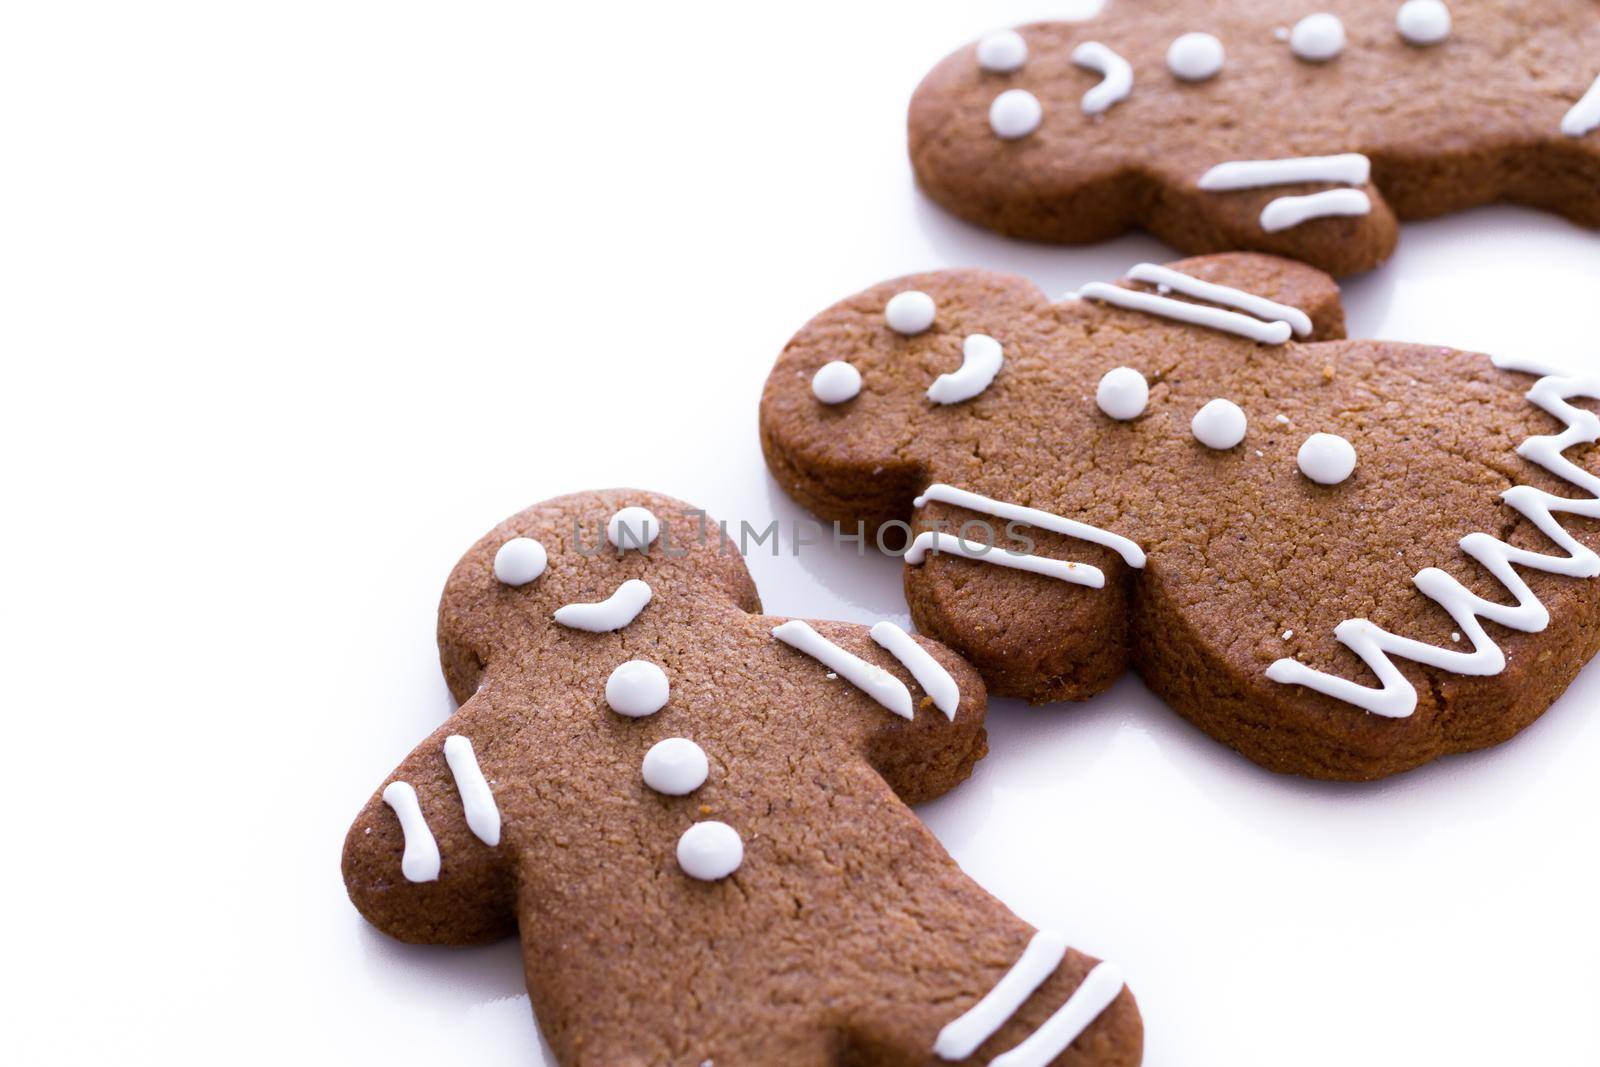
1342	558
1303	129
695	818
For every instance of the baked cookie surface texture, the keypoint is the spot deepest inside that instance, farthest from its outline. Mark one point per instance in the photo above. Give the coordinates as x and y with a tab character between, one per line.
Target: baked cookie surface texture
694	817
1342	558
1302	130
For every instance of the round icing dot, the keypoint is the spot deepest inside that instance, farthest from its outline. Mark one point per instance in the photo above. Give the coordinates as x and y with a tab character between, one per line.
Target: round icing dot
637	688
1327	458
1423	22
1015	113
1002	52
1194	57
676	766
633	527
1220	424
1123	393
710	850
519	561
909	312
1318	37
835	382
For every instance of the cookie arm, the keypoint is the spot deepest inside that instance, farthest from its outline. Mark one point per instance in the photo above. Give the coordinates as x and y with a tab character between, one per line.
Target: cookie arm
1284	281
416	863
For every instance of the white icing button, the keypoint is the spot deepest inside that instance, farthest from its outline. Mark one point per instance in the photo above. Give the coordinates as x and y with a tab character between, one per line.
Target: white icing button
909	312
637	688
1015	113
1318	37
1327	458
1123	393
1220	424
1002	52
1423	22
676	766
836	382
710	850
519	561
1194	57
633	527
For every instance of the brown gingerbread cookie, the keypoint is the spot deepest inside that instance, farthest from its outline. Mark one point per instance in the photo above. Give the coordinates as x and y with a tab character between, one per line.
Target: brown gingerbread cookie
695	818
1303	129
1342	558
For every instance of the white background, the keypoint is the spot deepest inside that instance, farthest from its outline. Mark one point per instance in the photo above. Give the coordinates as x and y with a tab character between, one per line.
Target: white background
299	298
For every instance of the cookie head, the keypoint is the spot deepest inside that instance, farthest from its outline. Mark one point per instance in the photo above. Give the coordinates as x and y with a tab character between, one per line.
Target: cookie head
1264	125
1291	536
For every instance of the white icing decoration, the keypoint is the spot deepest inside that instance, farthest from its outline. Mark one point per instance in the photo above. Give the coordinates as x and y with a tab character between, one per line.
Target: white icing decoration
1326	458
1350	168
1002	52
1220	424
1287	212
477	801
1122	393
949	544
1194	57
1396	697
519	561
870	678
1116	80
420	860
1423	22
1094	996
961	1037
637	688
929	672
981	357
835	382
710	851
1131	553
909	312
675	766
633	527
1317	38
1259	306
1585	114
1015	113
612	613
1272	333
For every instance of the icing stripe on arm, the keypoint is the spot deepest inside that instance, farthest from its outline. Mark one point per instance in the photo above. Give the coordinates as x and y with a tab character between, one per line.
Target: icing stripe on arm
929	672
961	1037
1094	996
1287	212
1351	168
1585	114
949	544
420	861
1259	306
1272	333
871	679
477	802
1395	697
612	613
1131	553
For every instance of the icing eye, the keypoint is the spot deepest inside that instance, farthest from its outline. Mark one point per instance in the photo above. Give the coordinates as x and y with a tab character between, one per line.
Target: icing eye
1220	424
1122	393
1326	458
1002	52
1015	113
1423	22
633	527
1317	38
637	688
519	561
836	382
909	312
1194	57
710	851
676	767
